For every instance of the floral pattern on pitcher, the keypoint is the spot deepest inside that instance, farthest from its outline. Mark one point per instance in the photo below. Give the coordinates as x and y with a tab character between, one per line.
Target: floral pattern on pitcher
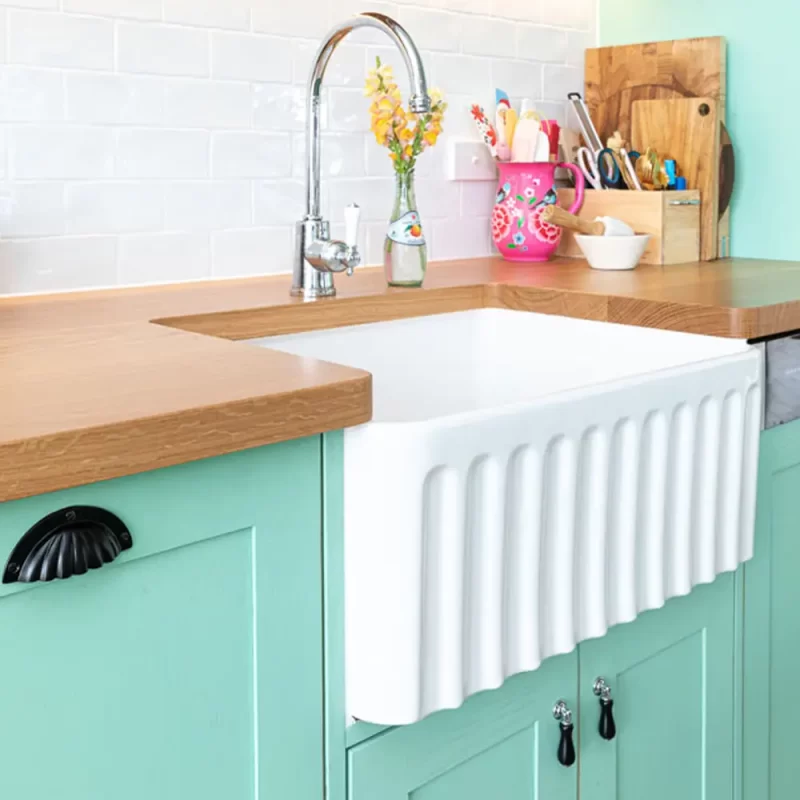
524	191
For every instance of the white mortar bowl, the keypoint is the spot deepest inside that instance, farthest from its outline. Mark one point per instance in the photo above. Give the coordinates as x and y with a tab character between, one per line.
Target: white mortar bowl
613	252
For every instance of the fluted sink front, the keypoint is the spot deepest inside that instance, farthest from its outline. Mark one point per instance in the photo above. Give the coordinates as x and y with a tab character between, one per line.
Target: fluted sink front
528	481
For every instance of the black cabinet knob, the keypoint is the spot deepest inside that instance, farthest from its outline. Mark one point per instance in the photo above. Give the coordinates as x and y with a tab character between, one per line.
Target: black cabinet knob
566	747
607	727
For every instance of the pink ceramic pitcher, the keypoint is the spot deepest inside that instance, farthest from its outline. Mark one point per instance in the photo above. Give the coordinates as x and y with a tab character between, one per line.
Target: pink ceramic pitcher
524	191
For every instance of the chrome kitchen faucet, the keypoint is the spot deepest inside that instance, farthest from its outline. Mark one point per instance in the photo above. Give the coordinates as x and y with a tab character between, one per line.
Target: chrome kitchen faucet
316	255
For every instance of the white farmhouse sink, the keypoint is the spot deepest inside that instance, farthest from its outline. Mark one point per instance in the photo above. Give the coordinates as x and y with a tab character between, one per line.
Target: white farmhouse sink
526	482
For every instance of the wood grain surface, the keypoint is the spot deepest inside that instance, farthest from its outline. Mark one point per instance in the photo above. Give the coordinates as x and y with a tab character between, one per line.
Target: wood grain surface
616	77
91	388
688	131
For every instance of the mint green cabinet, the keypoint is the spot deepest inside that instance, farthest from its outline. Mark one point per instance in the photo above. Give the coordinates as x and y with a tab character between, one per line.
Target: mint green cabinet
499	744
671	672
772	624
673	677
191	667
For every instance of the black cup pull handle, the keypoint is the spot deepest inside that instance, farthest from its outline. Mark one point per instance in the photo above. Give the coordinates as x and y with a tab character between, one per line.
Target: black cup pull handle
67	542
566	747
607	727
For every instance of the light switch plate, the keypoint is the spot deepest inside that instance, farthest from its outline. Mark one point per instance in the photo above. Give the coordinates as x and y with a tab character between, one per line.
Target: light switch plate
469	161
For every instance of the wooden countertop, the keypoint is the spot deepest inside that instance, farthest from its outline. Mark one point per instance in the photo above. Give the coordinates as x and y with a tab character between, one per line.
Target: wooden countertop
93	389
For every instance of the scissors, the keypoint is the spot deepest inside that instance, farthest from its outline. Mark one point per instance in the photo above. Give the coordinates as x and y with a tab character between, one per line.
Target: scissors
600	168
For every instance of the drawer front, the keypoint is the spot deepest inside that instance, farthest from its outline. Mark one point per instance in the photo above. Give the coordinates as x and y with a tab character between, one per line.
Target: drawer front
191	665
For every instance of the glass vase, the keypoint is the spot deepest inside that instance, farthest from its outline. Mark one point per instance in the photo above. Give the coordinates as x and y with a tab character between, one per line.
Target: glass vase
405	256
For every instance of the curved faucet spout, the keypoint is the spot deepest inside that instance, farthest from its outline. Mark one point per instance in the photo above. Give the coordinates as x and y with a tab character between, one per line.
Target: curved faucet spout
419	102
317	256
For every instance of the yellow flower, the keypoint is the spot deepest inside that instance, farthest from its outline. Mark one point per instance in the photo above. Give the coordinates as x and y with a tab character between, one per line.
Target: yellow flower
430	137
378	79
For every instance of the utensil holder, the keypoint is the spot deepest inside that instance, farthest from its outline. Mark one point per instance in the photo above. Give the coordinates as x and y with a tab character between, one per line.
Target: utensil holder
671	218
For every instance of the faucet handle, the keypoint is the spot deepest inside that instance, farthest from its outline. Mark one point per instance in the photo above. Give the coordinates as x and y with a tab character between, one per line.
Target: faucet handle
352	215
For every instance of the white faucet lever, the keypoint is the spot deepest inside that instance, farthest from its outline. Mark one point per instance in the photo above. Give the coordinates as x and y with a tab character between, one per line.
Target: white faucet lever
352	215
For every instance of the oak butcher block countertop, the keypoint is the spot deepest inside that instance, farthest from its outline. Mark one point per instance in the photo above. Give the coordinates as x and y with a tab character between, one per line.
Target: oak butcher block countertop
101	384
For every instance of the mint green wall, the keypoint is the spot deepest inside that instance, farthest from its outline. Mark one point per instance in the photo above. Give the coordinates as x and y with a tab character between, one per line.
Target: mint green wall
762	43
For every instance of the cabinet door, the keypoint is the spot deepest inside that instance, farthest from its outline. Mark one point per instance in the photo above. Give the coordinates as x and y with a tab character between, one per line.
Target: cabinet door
190	667
499	744
671	673
772	624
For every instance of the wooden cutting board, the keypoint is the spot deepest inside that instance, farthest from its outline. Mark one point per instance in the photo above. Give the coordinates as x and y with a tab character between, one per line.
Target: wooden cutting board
687	130
617	77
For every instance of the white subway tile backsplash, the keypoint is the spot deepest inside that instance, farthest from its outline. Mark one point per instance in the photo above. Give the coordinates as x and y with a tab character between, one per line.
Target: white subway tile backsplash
98	98
518	78
55	152
477	198
31	95
347	67
56	264
521	10
203	104
114	207
233	14
374	195
309	19
32	209
153	153
45	38
47	4
255	251
207	206
538	43
558	82
488	37
348	110
156	257
436	30
460	238
437	199
342	155
156	140
279	107
454	73
162	49
246	57
279	202
251	155
130	9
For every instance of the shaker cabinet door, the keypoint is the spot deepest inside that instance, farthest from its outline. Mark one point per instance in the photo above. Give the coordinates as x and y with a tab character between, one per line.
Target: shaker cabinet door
191	666
671	677
499	744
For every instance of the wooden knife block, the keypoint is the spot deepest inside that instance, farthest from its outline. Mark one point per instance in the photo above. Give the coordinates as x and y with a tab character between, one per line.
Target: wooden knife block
671	218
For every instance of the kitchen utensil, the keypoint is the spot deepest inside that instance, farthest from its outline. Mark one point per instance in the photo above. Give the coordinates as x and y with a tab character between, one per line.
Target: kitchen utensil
526	136
501	98
650	171
629	174
590	135
524	192
613	252
687	130
568	145
601	226
553	134
542	150
486	129
599	168
616	77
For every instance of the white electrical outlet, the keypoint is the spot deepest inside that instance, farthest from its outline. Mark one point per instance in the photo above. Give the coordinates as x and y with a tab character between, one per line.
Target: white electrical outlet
469	161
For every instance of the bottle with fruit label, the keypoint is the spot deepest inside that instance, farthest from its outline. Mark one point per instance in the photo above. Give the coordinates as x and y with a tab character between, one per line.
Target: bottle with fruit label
405	255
